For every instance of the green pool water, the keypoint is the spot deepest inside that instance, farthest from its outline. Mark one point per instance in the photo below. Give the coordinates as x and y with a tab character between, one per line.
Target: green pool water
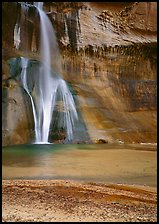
107	163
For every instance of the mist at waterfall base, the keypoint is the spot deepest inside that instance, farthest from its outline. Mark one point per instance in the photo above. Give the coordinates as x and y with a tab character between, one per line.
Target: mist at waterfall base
48	85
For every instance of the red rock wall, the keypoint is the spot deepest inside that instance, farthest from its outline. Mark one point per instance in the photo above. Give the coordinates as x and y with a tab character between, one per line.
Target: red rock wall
109	57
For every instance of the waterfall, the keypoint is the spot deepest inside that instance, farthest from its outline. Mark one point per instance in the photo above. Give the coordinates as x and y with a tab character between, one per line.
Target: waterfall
24	65
49	83
39	5
16	36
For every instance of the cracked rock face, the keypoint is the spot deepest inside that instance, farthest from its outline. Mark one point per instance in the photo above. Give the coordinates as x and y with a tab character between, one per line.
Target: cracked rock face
109	58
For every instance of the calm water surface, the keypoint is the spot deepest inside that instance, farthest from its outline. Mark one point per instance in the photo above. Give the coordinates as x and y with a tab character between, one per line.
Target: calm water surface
107	163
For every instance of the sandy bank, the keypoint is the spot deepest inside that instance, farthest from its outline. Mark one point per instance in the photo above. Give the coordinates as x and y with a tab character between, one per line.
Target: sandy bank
60	201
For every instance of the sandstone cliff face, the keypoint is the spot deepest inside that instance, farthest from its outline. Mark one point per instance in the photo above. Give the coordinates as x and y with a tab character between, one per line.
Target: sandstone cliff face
108	55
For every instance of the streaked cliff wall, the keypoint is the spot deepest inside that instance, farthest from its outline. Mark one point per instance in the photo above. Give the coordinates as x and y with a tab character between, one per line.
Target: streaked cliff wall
109	58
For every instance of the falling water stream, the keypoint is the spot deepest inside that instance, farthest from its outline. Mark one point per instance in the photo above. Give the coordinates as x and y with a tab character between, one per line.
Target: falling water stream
48	85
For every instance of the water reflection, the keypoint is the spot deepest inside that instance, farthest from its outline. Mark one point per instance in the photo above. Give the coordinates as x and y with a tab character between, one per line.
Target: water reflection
133	164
